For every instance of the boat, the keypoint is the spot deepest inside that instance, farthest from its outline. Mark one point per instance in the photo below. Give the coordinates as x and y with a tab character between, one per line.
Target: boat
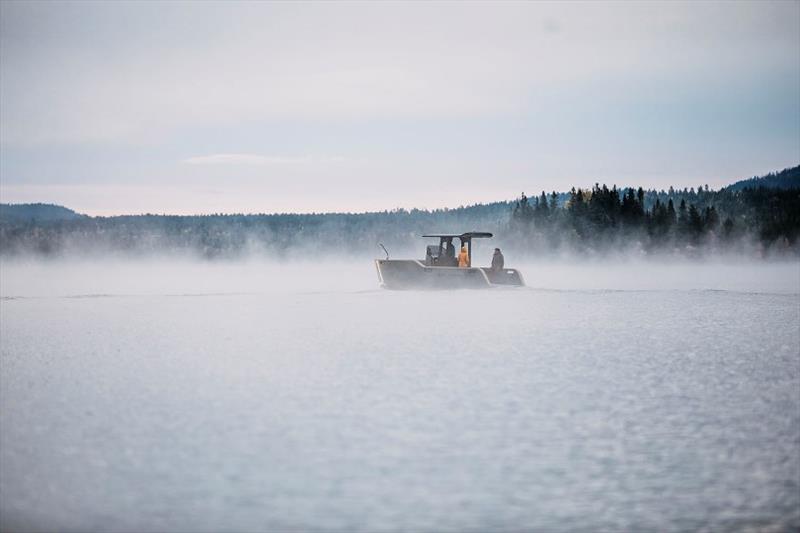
440	270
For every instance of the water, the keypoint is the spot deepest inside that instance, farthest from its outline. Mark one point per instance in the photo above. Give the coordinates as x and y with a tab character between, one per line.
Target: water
199	397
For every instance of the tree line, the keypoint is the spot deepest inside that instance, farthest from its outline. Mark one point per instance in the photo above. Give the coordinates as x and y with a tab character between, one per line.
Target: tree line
284	235
761	217
756	219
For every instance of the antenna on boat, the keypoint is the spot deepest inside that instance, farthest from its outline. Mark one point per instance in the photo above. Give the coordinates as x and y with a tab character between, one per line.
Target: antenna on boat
384	249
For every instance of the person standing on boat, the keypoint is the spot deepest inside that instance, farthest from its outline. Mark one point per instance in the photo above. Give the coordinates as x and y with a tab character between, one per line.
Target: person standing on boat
450	254
498	261
463	257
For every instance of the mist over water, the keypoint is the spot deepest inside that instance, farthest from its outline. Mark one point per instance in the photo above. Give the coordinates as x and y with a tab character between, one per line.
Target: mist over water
258	274
175	394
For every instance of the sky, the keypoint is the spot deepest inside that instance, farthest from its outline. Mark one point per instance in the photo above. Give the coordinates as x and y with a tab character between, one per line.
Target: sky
170	107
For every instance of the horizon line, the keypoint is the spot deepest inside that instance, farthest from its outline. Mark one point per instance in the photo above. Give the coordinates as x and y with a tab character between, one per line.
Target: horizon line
396	208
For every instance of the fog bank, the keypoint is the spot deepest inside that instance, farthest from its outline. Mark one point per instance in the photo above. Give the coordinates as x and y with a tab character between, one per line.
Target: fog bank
119	277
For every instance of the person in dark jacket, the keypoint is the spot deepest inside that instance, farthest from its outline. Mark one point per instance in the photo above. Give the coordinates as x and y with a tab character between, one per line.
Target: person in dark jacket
497	260
451	254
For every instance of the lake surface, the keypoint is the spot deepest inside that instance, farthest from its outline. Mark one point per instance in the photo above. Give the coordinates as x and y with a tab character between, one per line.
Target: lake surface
190	397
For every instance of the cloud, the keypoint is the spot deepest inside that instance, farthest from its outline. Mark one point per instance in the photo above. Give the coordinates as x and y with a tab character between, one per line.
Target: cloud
77	72
260	160
242	159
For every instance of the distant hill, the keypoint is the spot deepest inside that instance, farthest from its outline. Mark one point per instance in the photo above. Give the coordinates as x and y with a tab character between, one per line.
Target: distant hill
788	178
37	212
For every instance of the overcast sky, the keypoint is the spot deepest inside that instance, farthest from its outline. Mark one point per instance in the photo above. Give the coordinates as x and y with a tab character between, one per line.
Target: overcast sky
269	107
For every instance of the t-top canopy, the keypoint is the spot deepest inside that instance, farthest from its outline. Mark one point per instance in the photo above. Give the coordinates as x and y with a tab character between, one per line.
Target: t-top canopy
468	235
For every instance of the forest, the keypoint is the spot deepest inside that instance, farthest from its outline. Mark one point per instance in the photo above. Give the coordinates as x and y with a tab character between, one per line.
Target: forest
758	217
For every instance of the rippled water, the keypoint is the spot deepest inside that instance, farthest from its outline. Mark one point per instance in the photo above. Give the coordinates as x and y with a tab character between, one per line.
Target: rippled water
343	407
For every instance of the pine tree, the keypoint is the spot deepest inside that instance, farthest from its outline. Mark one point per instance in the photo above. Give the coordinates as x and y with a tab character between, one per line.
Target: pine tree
543	205
671	216
695	220
727	228
711	218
